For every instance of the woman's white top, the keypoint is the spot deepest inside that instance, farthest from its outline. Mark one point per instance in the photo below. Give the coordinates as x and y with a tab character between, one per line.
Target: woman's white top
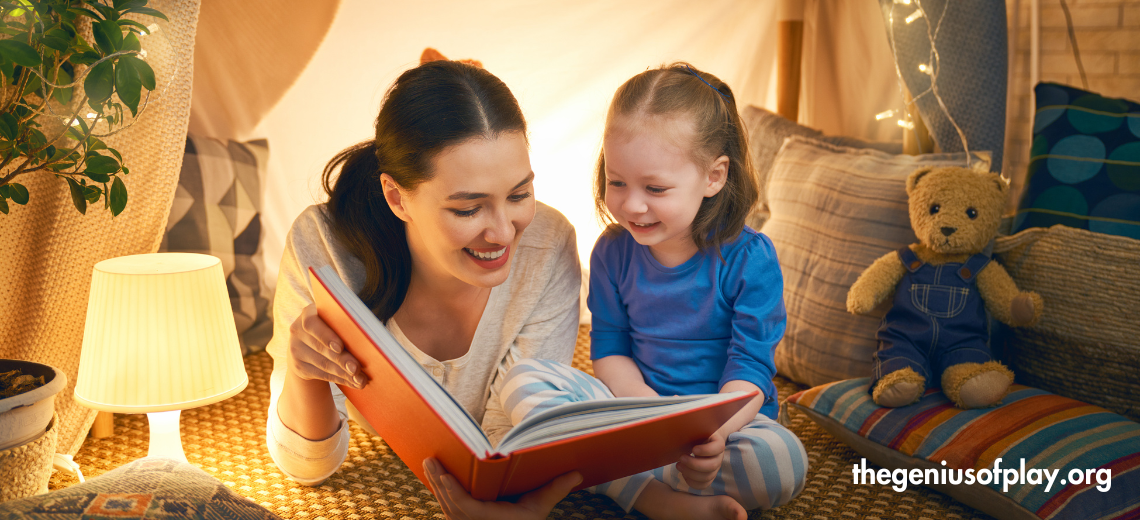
533	314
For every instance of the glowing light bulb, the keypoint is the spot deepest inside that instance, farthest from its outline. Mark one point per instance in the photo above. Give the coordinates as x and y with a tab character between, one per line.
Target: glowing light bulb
903	2
883	115
142	54
914	16
91	115
906	124
924	68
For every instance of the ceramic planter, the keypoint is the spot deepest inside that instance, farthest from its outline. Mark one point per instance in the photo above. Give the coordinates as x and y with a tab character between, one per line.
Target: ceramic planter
25	417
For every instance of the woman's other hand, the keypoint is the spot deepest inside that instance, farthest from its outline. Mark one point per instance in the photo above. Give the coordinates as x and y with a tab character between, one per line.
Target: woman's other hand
700	467
457	504
317	353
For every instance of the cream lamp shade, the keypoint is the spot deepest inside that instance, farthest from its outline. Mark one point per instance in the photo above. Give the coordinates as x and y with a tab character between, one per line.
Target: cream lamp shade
159	337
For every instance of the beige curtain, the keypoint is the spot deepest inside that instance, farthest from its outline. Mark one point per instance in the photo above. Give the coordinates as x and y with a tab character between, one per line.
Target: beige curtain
49	249
247	54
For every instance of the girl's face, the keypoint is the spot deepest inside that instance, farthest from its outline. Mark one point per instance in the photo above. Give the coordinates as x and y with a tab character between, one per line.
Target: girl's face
465	223
653	187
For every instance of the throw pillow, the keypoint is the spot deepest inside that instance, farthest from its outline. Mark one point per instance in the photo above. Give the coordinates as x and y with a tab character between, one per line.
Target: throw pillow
1084	165
1039	441
766	134
217	211
145	488
1084	347
835	210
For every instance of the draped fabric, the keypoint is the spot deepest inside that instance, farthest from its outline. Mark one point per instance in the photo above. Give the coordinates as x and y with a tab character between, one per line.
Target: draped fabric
247	54
50	249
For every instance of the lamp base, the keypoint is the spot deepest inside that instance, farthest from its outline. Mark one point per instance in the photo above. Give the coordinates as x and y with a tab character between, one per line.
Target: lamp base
165	437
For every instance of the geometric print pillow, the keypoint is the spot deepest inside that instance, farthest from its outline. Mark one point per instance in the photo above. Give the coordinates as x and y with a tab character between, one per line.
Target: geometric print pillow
1084	165
145	488
217	211
1056	458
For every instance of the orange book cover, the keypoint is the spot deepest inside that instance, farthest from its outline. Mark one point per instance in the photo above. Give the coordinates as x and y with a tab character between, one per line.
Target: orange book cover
397	403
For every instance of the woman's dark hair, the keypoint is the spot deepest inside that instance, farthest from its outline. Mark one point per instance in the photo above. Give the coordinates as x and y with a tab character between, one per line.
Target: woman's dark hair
681	90
429	108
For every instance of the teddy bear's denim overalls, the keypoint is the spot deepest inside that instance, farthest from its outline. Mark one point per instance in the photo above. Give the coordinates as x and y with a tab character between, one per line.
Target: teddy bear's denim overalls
938	320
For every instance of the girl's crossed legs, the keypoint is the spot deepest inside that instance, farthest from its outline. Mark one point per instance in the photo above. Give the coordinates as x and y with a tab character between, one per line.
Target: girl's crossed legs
764	466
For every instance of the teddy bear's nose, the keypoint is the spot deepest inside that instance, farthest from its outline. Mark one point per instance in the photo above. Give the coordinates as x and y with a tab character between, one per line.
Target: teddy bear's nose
948	231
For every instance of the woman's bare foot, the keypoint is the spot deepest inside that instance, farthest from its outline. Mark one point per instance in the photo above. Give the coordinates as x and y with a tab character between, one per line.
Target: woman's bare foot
660	502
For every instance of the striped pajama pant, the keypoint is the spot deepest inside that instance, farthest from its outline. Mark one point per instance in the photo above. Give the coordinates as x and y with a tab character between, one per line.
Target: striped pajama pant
764	463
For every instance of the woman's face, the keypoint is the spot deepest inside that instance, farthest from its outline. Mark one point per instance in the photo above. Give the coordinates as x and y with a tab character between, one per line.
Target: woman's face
466	221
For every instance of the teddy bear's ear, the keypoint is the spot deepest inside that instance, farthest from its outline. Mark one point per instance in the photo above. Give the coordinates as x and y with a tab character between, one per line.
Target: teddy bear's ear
430	55
912	180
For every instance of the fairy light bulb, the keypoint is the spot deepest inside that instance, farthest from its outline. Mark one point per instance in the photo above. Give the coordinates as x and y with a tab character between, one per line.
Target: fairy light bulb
883	115
914	16
906	124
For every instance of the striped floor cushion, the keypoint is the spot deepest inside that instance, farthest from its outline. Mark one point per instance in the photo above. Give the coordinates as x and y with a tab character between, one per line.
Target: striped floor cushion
1034	433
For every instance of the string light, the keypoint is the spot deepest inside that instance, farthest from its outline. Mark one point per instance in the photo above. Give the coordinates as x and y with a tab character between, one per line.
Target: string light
930	68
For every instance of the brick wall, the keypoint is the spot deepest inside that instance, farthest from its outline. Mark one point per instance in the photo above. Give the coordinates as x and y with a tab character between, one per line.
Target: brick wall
1108	37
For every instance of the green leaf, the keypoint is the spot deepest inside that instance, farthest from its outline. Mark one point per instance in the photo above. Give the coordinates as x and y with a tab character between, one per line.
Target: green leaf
146	74
3	206
116	154
92	194
128	4
36	138
127	84
18	193
77	197
93	143
32	85
148	11
59	44
5	192
63	95
85	12
74	134
107	11
99	177
20	52
137	26
85	58
100	82
108	36
126	171
118	196
101	164
9	126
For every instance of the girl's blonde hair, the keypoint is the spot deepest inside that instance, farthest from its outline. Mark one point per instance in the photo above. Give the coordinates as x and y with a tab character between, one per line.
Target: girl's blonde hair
680	90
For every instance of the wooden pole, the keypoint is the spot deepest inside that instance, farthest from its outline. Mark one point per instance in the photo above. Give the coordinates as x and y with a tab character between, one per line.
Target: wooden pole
789	52
104	425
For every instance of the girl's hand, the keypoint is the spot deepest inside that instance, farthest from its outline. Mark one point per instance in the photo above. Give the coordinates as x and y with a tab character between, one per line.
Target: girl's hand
317	353
457	504
701	466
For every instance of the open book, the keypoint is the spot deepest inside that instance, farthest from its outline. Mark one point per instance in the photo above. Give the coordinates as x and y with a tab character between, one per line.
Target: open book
603	439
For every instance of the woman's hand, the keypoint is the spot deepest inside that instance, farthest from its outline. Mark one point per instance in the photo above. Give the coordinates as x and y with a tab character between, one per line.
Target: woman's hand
317	353
457	504
701	466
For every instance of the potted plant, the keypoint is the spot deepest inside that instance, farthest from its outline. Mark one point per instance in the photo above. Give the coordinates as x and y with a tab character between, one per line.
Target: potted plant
27	431
48	126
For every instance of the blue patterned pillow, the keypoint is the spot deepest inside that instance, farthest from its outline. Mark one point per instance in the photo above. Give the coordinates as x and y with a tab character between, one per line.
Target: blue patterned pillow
1084	166
145	488
950	447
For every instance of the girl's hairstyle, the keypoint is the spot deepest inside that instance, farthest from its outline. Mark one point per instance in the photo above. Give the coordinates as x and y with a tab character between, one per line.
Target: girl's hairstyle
429	108
680	90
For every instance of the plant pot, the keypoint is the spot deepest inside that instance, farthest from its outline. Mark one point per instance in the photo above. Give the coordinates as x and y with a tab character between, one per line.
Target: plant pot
25	417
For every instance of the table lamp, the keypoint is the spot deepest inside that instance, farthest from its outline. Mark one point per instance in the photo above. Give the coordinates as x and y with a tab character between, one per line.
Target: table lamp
159	338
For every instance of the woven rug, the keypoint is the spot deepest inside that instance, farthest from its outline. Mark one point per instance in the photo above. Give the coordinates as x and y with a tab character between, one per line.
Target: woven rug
227	440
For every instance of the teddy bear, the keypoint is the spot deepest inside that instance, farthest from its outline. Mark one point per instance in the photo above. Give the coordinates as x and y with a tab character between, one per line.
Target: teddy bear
942	287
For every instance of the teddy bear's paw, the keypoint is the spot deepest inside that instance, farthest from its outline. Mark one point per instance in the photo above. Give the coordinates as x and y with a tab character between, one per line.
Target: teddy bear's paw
899	388
976	385
860	302
1026	308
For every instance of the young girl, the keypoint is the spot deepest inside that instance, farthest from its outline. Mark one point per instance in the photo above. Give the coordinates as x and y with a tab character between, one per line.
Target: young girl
685	298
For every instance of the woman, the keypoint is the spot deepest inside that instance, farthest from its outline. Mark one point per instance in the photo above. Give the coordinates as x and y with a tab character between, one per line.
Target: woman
434	224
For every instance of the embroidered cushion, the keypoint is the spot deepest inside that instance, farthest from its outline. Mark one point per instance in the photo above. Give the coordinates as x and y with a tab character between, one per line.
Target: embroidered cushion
145	488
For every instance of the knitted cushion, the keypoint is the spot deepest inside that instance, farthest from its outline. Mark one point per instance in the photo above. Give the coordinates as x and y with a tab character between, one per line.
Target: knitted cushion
145	488
835	210
217	211
1044	431
1084	166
